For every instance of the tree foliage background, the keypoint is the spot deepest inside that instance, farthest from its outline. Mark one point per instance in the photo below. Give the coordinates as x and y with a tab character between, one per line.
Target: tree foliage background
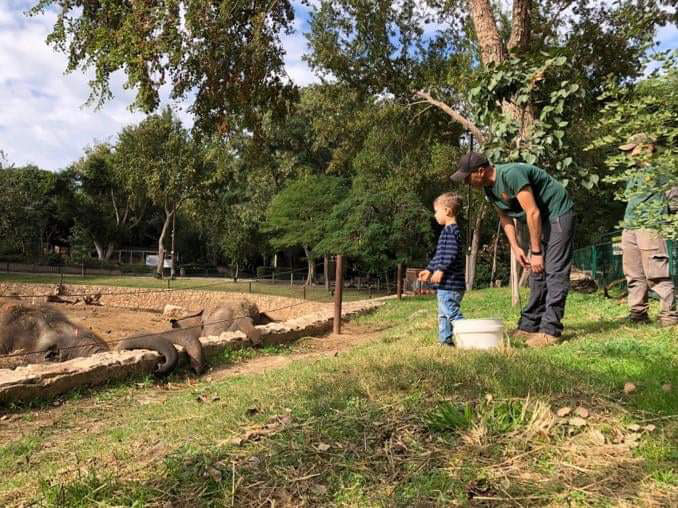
403	86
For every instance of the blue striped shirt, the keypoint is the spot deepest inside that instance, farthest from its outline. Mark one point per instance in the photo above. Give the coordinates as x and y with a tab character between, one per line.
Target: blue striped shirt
449	258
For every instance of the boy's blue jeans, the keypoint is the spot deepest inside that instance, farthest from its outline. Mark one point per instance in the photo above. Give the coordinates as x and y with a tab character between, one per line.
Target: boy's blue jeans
449	309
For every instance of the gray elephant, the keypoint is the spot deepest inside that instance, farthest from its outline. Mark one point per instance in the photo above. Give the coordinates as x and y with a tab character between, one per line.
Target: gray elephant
238	315
41	333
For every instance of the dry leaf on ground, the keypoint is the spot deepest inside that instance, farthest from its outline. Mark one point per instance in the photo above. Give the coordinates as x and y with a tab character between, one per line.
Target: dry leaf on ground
564	411
576	421
582	412
629	388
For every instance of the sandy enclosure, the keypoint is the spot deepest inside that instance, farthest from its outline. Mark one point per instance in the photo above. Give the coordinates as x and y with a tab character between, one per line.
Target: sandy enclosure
124	312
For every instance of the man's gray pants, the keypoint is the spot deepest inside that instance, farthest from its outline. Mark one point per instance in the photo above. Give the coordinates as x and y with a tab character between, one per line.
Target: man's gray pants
548	290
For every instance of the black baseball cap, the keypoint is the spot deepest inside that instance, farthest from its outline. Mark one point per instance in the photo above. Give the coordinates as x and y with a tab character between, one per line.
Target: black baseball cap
467	164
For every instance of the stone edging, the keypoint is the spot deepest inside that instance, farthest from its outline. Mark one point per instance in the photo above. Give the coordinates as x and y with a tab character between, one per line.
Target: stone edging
44	381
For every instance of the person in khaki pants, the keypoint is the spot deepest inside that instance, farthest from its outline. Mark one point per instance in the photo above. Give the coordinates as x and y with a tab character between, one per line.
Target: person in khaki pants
644	253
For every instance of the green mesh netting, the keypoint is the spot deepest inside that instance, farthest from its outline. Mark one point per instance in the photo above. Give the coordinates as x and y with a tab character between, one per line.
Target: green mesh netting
603	261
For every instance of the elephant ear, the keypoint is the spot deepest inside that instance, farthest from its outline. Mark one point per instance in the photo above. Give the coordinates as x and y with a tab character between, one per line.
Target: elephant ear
175	321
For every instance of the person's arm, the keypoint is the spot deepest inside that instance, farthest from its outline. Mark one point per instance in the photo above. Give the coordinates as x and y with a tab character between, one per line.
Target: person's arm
533	216
510	231
425	275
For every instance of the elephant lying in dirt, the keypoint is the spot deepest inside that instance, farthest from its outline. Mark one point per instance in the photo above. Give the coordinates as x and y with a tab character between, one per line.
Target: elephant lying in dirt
240	315
45	334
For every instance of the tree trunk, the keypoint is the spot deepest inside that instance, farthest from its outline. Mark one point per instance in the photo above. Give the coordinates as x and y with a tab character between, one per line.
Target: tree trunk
472	253
326	272
161	244
493	274
492	49
311	266
173	252
100	250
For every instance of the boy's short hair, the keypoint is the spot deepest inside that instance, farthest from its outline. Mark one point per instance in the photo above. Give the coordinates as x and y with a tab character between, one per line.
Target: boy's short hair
450	200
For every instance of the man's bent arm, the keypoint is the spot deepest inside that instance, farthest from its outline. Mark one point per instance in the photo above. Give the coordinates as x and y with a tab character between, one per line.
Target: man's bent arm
533	216
509	230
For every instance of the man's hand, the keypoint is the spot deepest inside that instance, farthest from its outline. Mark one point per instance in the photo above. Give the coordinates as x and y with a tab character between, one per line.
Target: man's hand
537	263
423	276
522	258
437	277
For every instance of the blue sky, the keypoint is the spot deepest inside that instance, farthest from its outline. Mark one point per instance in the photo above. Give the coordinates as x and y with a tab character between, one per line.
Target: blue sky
43	117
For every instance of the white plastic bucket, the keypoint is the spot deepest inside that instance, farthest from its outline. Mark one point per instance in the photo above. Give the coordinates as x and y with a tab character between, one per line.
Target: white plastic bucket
478	333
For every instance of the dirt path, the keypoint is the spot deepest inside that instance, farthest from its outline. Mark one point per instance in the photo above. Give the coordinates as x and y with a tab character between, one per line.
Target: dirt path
307	348
16	425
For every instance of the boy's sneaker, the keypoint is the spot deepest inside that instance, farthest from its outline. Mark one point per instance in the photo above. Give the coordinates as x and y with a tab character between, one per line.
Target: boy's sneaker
447	344
541	339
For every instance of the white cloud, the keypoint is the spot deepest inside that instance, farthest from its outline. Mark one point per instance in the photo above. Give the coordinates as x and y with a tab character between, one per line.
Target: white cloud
43	116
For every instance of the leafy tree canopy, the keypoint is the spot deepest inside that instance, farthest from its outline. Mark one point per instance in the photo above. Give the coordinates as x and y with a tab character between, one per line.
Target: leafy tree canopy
297	215
649	107
226	55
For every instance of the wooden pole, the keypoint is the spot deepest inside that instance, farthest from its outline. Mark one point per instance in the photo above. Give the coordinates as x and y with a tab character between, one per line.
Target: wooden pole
399	282
326	273
338	294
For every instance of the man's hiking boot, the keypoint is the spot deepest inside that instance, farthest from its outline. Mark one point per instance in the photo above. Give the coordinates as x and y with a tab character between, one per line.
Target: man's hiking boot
665	322
520	334
637	318
541	339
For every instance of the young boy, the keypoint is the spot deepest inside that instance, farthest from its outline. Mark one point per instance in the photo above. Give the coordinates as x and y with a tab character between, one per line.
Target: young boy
446	269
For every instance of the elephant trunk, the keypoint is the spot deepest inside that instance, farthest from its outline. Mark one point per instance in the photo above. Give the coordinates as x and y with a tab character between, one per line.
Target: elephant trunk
188	339
159	344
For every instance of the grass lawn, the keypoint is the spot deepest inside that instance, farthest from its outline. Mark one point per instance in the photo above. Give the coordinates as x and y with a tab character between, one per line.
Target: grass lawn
397	421
210	284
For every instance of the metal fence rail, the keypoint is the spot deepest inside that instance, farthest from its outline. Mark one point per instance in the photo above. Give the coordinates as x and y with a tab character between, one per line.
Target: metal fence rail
603	261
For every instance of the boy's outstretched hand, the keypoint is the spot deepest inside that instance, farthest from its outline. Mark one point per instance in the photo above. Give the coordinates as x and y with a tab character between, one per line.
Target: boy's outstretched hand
423	275
437	277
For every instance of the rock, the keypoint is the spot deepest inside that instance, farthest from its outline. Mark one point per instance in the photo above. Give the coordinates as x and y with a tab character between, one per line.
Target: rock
649	427
564	411
633	427
629	388
667	387
173	311
323	447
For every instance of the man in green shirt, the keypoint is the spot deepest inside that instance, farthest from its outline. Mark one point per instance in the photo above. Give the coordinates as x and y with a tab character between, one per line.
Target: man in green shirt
526	192
645	256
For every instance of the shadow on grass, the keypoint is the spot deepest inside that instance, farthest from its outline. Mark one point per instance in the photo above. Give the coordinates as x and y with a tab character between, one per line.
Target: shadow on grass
593	327
378	451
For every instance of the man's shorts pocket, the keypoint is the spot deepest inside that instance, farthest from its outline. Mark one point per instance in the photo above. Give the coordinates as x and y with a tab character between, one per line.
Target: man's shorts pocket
658	267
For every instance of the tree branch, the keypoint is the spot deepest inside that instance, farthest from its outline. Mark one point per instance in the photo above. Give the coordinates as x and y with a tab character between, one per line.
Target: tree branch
115	207
455	115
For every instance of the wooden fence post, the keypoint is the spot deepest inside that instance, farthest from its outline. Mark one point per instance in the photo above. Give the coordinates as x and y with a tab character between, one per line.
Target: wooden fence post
338	293
399	282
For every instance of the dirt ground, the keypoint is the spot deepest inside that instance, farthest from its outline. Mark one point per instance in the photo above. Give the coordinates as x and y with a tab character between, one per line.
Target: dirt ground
111	323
